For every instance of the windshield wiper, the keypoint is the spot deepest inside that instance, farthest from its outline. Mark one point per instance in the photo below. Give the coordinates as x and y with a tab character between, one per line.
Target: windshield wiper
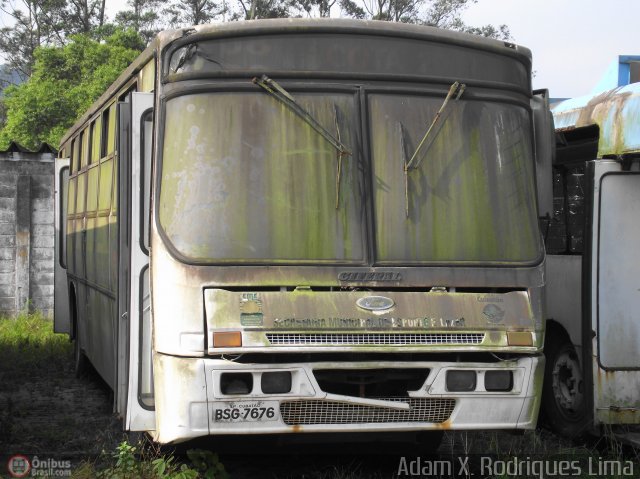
455	90
282	95
403	152
341	153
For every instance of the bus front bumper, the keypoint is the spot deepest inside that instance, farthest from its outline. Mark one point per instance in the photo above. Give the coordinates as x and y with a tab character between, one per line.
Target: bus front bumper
197	397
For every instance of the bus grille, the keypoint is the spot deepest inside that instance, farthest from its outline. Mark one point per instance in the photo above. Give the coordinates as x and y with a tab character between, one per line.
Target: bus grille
309	412
333	339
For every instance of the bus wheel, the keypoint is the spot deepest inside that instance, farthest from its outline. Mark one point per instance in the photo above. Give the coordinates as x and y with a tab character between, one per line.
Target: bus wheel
563	391
79	359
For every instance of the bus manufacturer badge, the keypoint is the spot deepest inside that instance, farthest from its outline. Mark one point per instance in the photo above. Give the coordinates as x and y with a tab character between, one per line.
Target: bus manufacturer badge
250	310
364	276
375	303
493	313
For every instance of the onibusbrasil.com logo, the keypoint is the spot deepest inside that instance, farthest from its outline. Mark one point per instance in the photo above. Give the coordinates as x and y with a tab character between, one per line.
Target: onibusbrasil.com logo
23	466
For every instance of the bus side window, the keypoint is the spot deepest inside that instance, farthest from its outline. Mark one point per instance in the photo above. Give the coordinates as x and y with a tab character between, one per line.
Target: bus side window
94	141
85	148
75	155
146	147
108	130
104	149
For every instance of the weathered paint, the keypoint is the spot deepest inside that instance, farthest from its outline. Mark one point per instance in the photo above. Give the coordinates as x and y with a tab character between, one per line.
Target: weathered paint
616	398
472	197
615	295
228	209
245	179
616	112
147	76
259	313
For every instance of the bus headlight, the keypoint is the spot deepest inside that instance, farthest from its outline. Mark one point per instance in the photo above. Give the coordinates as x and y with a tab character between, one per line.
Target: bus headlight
498	380
277	382
236	383
461	381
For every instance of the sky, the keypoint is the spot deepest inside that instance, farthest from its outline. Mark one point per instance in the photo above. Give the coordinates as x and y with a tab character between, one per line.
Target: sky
573	42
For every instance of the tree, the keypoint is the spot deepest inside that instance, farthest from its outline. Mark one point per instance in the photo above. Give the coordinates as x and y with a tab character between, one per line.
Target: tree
183	13
83	16
35	23
406	11
256	9
65	82
447	14
437	13
142	16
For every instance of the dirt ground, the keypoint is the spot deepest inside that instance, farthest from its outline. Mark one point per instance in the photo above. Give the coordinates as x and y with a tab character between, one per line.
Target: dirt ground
46	411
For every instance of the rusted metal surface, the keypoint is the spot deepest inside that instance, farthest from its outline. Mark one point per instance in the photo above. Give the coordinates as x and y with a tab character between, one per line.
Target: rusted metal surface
616	398
616	112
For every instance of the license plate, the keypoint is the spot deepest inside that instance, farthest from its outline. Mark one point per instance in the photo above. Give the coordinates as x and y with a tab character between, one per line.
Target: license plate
249	411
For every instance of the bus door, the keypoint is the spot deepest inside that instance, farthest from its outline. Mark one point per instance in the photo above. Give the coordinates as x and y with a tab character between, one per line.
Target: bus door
615	293
61	318
134	332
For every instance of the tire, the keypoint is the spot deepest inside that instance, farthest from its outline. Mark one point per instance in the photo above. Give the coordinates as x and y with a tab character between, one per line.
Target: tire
80	361
563	395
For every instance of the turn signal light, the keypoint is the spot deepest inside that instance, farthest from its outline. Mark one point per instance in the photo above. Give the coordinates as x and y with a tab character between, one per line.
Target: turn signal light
227	339
519	338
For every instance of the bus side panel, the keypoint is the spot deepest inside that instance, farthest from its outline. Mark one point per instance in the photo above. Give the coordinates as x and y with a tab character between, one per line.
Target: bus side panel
617	372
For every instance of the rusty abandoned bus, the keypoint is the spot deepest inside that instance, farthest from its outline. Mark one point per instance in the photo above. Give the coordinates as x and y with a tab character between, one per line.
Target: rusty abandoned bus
298	226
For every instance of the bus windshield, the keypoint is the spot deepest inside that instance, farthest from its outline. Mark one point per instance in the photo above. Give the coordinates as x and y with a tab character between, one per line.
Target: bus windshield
245	179
471	197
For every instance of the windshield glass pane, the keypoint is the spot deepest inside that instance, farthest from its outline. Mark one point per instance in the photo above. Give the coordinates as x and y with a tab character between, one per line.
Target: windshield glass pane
472	197
244	179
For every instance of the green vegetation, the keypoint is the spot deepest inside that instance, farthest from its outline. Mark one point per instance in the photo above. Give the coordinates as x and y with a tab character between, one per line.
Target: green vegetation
145	461
45	408
28	341
65	82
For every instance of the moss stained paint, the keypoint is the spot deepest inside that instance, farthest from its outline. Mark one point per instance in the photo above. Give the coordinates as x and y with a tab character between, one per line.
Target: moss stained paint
246	178
471	199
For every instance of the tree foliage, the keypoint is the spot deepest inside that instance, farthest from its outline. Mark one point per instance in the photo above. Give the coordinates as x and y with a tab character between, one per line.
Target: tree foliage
143	17
193	12
64	83
45	23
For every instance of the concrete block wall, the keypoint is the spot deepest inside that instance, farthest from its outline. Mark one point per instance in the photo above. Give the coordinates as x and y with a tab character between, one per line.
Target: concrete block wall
26	230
